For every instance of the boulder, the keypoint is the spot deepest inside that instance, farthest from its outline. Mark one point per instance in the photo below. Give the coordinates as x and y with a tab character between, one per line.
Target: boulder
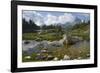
50	57
79	58
55	59
27	57
66	57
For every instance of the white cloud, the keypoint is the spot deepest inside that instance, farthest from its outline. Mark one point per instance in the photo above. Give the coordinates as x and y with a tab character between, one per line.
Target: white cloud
48	19
67	17
62	19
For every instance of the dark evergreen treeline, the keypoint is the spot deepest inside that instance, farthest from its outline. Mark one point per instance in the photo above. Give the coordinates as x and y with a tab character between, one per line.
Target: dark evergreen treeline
29	26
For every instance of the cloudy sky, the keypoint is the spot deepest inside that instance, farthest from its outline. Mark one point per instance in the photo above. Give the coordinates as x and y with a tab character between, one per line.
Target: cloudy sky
48	17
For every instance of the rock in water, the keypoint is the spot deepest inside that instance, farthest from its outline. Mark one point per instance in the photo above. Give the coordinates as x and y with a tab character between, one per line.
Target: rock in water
55	59
66	57
27	57
50	57
79	58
